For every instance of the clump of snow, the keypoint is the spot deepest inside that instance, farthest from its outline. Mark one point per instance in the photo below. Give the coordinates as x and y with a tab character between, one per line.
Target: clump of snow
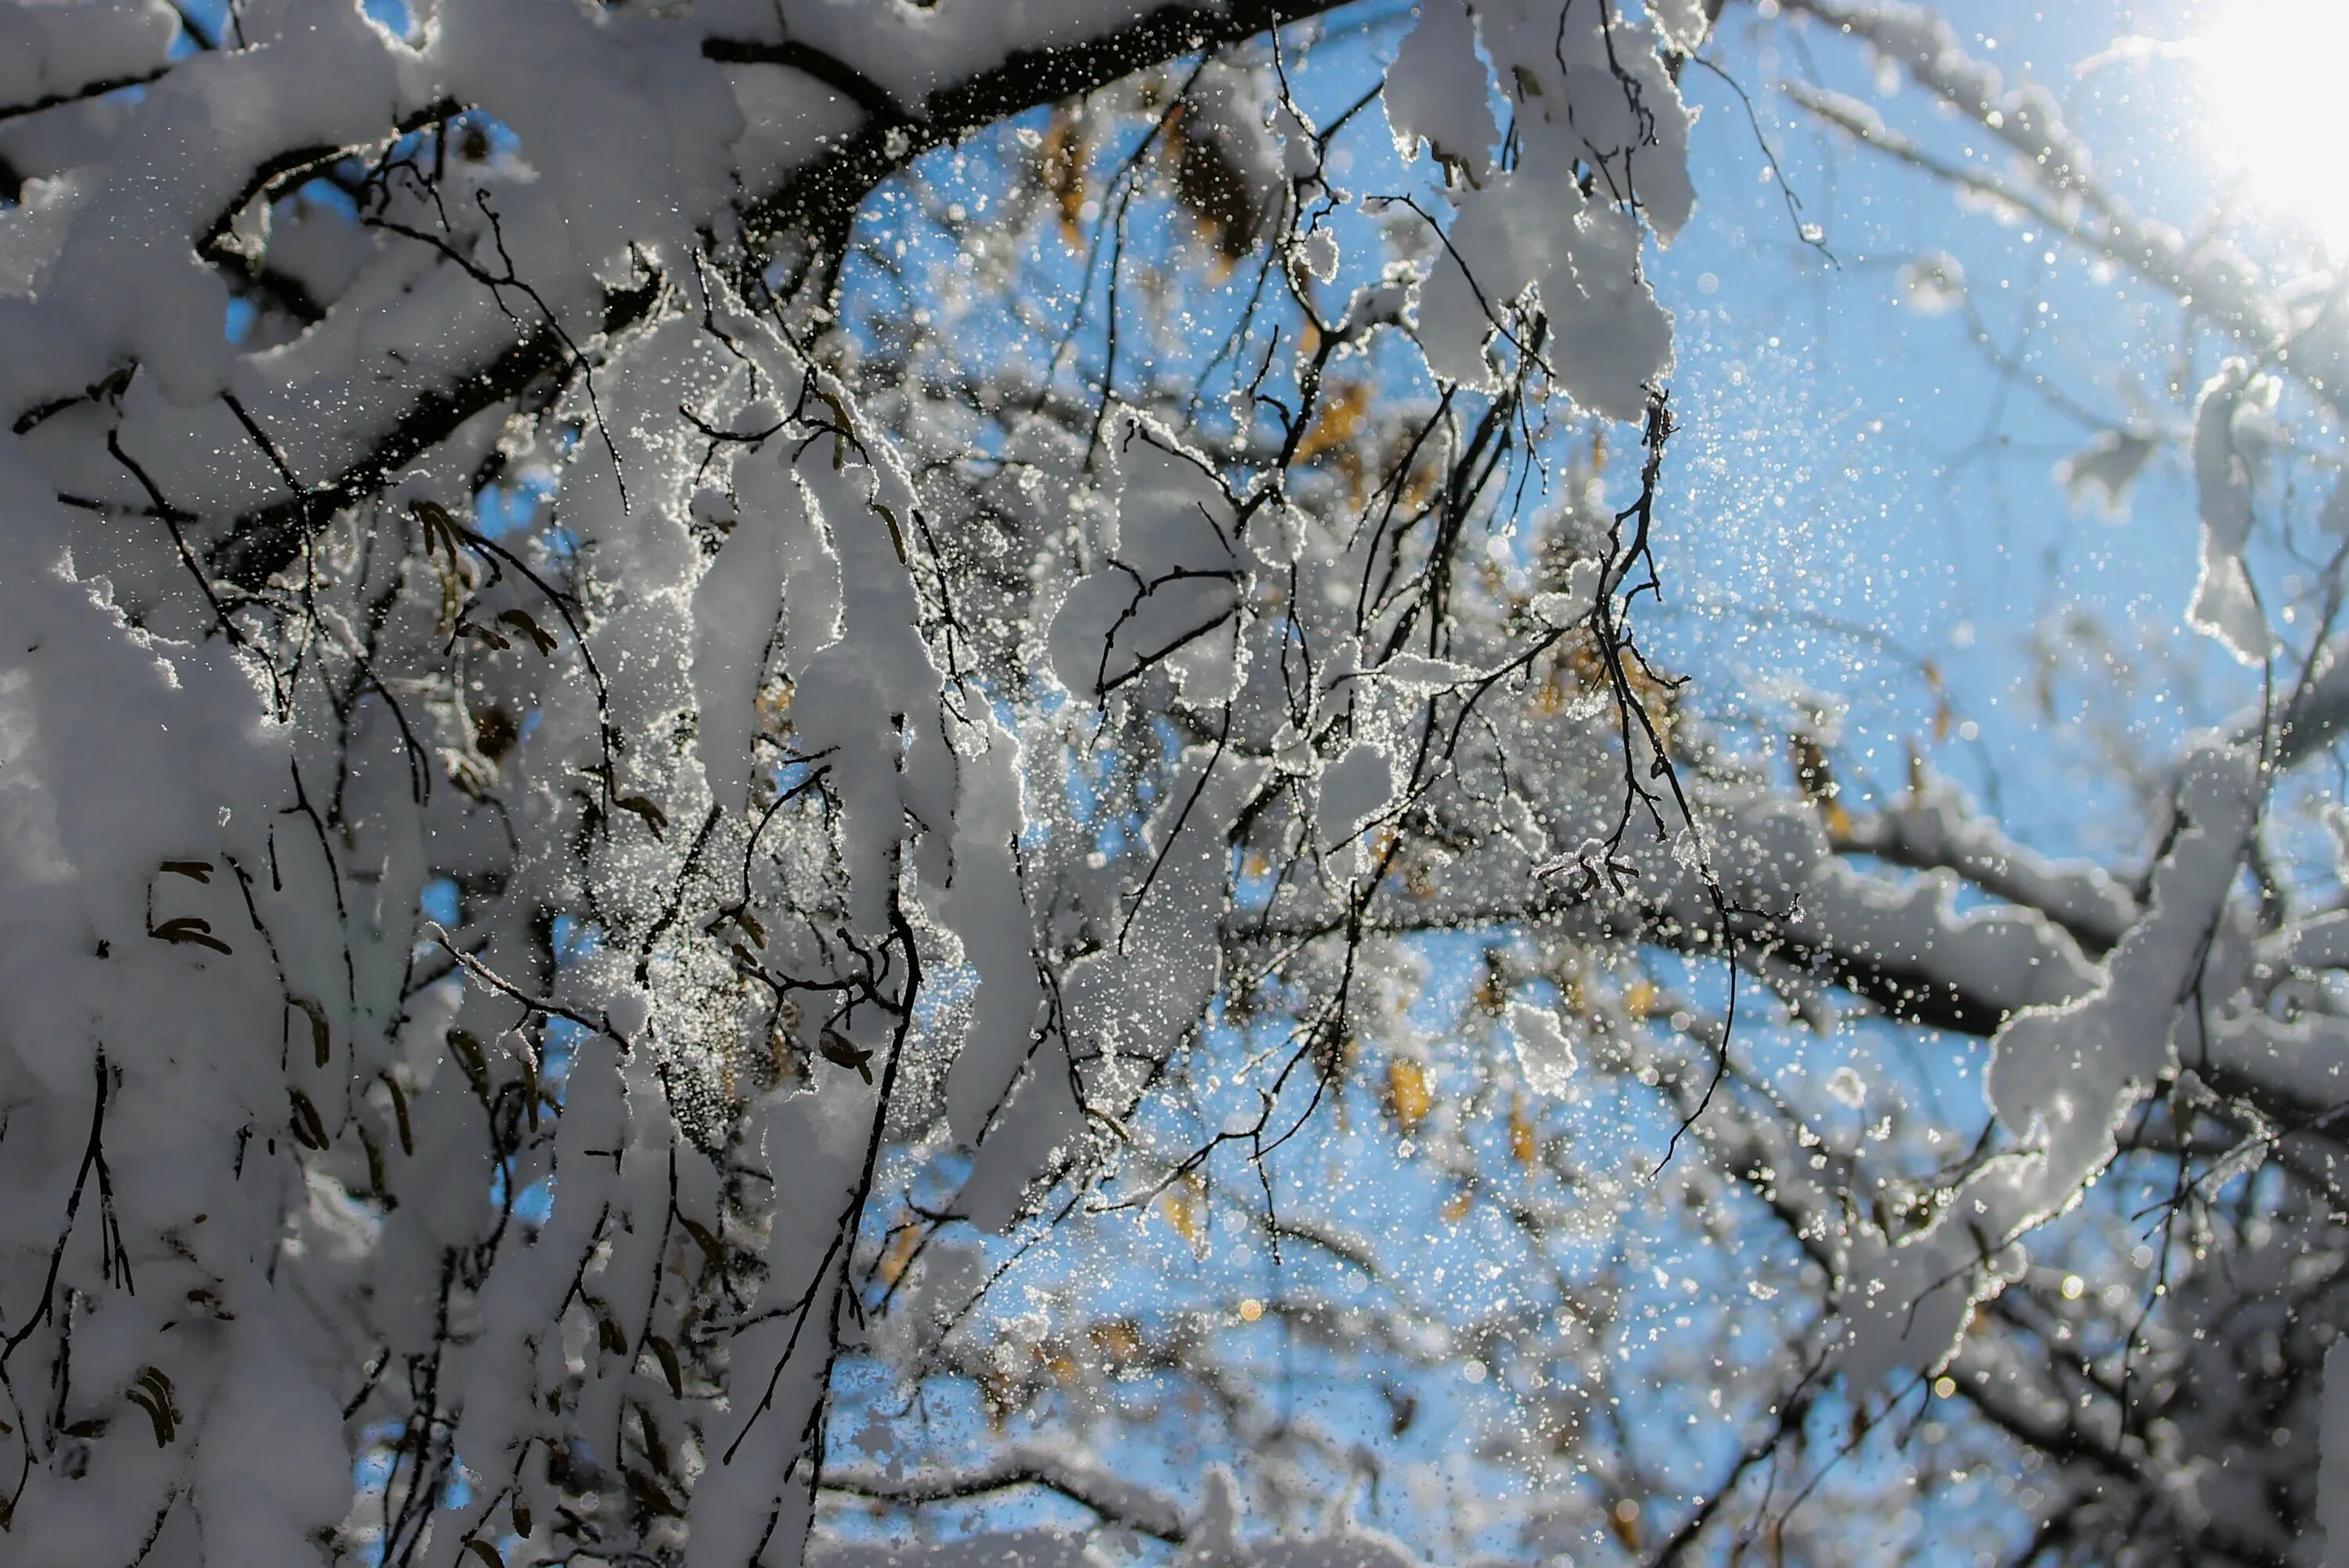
2224	605
1437	92
1546	1054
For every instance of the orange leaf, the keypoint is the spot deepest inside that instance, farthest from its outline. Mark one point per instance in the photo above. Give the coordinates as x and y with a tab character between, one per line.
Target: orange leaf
1524	1148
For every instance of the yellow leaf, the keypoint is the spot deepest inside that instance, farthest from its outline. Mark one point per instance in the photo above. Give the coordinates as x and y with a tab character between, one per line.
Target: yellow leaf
1639	998
1118	1340
1185	1204
1342	413
1457	1209
1409	1096
1573	1002
1813	775
998	1394
1064	156
900	1253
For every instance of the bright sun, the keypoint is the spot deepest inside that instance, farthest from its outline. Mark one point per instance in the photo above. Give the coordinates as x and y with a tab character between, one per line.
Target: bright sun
2277	112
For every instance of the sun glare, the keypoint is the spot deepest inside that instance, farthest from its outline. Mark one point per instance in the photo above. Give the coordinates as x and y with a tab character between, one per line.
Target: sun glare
2275	115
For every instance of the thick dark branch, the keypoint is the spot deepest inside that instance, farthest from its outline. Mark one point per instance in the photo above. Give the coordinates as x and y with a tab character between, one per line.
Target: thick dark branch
265	540
81	94
1907	990
821	201
1111	1498
831	71
295	165
2093	908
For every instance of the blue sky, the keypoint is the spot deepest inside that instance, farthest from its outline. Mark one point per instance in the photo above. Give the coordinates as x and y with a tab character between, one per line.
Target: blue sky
1845	456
